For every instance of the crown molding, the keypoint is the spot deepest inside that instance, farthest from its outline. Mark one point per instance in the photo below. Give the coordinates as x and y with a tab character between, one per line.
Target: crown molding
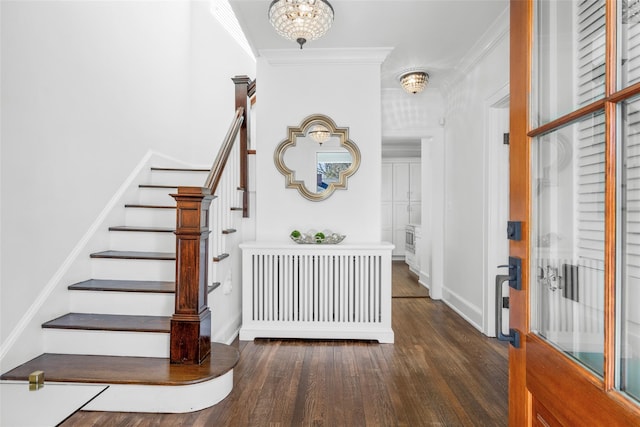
483	47
375	56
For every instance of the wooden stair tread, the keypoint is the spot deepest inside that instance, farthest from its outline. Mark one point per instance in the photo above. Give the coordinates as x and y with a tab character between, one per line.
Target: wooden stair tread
153	168
133	205
110	322
158	186
220	257
134	255
149	286
145	229
126	370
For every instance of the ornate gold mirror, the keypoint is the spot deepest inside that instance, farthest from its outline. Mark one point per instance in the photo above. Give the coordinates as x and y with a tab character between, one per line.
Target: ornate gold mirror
317	157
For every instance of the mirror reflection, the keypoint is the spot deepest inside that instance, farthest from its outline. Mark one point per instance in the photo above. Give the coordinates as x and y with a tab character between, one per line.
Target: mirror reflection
317	157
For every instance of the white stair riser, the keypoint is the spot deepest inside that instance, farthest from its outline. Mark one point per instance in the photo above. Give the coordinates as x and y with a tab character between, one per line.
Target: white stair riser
166	399
142	303
109	343
142	241
150	217
182	178
156	196
133	269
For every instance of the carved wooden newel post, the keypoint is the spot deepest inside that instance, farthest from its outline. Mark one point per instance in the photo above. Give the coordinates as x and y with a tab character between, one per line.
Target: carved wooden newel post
191	322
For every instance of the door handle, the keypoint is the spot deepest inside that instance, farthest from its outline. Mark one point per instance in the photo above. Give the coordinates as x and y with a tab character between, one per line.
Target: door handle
514	336
515	272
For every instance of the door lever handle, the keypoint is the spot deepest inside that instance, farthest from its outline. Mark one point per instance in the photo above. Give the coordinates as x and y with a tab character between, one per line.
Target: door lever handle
514	336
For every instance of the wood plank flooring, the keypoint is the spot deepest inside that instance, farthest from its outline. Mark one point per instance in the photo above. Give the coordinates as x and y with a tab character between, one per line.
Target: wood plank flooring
405	283
440	372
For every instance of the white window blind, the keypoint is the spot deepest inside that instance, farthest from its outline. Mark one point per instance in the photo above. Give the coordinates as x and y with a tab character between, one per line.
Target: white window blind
591	134
631	156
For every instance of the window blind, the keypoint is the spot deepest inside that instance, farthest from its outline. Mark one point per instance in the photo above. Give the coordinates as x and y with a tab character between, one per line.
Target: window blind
590	149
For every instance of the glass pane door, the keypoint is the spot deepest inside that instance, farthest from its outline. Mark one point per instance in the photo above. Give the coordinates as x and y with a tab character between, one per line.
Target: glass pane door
567	277
569	57
629	295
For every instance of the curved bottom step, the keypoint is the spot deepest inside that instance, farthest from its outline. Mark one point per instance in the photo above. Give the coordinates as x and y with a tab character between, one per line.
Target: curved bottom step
140	384
163	399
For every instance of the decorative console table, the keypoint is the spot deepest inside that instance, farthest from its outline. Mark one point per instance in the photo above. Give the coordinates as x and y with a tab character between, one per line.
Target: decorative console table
316	291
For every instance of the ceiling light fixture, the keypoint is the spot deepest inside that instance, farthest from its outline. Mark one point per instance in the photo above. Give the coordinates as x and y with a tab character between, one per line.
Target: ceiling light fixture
319	133
414	81
301	20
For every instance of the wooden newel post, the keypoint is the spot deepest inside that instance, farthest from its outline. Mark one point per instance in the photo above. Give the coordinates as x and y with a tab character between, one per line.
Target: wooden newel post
191	322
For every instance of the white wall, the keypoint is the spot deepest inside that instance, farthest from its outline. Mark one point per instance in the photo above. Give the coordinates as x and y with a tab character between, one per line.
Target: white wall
87	89
406	115
346	87
465	178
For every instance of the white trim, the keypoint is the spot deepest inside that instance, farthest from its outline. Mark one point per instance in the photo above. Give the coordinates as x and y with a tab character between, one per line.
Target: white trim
424	279
233	337
483	47
227	333
491	209
466	310
434	221
224	14
374	55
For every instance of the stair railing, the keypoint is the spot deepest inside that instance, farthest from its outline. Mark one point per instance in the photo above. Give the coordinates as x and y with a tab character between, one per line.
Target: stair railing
190	340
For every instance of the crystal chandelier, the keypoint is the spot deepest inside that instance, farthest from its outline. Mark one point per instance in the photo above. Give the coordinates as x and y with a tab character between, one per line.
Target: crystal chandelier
319	133
414	81
301	20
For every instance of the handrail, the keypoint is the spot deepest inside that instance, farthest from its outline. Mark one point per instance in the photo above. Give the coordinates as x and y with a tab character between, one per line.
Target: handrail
190	337
223	154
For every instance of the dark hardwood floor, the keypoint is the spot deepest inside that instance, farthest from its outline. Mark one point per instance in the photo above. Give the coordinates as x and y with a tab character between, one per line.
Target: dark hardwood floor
405	283
440	372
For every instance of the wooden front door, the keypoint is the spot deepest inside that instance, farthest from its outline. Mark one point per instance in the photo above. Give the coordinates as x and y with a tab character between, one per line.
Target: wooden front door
575	186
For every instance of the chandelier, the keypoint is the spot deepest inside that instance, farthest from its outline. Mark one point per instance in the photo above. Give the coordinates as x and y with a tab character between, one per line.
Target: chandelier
301	20
319	133
414	81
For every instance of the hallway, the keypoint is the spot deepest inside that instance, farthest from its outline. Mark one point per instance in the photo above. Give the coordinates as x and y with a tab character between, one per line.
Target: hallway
440	372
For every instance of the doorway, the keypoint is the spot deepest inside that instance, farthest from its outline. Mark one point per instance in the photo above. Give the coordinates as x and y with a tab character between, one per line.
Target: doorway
496	206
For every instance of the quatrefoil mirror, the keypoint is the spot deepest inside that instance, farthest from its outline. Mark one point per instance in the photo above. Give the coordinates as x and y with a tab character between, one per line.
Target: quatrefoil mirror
317	157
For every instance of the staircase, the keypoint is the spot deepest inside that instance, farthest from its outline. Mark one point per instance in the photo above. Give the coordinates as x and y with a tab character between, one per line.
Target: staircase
140	323
117	330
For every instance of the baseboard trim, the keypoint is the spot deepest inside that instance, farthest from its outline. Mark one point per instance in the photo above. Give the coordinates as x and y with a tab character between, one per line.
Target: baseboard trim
229	331
463	307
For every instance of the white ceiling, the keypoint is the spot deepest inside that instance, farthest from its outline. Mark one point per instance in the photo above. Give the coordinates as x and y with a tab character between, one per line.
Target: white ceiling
430	34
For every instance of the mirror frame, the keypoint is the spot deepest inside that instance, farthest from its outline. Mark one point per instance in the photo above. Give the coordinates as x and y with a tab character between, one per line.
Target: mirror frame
293	133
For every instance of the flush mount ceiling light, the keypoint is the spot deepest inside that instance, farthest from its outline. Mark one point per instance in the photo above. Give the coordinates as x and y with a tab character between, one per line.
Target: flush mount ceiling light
414	81
319	133
301	20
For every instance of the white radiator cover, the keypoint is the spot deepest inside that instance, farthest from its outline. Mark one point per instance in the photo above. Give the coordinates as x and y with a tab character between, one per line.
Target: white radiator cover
316	291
